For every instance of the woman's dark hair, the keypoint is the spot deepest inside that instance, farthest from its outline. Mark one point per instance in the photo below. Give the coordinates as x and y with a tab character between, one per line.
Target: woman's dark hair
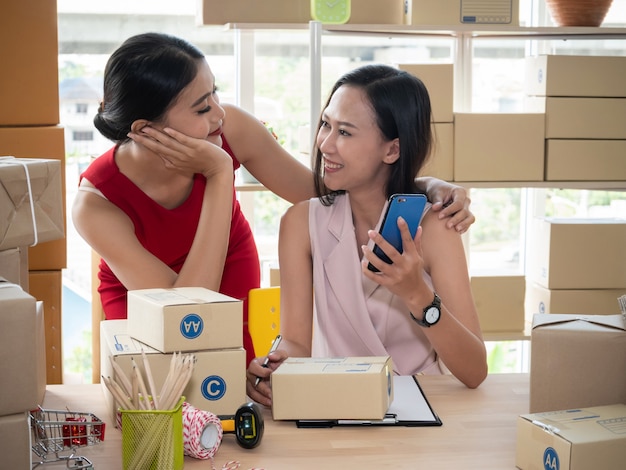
402	108
142	79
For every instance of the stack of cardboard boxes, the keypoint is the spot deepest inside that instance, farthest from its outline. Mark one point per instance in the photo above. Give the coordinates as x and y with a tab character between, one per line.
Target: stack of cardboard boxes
190	320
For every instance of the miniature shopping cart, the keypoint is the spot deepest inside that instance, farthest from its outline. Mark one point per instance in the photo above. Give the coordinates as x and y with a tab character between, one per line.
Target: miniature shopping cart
56	434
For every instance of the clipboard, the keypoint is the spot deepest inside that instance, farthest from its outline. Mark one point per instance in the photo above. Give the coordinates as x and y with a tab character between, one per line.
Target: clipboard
410	407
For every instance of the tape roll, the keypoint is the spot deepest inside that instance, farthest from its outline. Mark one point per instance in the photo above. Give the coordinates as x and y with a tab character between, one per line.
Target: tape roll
202	432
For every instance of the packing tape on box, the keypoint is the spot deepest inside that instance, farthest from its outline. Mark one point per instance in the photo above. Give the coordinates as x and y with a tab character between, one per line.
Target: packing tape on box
202	432
14	161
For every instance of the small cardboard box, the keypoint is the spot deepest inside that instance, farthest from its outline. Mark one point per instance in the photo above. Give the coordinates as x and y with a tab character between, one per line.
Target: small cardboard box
14	266
577	253
585	160
24	223
500	302
568	75
185	319
579	439
571	301
499	146
596	118
218	383
441	162
439	81
15	441
577	361
453	12
332	388
21	352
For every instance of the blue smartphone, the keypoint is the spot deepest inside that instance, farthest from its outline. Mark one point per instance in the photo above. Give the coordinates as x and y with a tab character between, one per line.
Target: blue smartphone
411	208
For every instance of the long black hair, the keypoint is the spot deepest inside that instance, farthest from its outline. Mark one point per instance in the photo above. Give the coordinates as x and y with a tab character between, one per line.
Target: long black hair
142	79
402	108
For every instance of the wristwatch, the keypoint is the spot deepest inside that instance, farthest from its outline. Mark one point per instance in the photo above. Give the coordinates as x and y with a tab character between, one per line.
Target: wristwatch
432	313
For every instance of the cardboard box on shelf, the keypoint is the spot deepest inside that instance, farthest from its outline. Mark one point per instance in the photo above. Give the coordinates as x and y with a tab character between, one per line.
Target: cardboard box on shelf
577	361
15	441
577	253
500	302
21	349
218	383
185	319
31	204
441	162
571	301
29	83
332	388
295	11
453	12
439	81
568	75
585	160
40	142
499	147
579	439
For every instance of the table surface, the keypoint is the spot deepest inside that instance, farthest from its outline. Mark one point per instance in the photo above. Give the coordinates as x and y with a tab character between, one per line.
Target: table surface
478	432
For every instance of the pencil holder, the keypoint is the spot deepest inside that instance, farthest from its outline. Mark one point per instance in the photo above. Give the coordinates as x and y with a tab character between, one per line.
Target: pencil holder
153	440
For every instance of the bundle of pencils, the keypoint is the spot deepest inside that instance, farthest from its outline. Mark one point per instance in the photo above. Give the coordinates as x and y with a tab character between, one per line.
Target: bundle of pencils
132	393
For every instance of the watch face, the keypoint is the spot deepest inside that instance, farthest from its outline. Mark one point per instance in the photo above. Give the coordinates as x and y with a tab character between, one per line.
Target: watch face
431	315
330	11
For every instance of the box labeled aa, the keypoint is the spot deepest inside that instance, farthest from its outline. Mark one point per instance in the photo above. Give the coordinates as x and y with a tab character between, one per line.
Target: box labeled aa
218	383
577	361
499	301
572	439
571	301
439	81
185	319
585	160
22	350
577	253
584	76
332	388
499	146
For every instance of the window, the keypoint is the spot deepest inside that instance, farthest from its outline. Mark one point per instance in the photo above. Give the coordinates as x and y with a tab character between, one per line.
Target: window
82	135
81	108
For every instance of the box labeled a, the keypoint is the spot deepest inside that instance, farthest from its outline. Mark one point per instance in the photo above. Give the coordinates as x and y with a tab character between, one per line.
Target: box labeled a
332	388
185	319
577	361
572	439
218	383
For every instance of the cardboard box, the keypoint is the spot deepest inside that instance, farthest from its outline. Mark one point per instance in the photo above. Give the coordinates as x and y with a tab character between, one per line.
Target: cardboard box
218	383
500	302
20	351
455	12
577	253
332	388
579	439
577	361
585	160
15	441
295	11
498	147
14	266
29	82
23	180
439	81
46	142
596	118
441	162
567	75
572	301
47	286
185	319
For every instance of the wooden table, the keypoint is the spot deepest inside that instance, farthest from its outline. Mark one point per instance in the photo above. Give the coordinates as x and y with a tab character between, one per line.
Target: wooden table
478	432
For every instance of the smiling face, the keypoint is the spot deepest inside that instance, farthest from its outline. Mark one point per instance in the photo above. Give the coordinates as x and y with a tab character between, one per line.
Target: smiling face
355	154
196	111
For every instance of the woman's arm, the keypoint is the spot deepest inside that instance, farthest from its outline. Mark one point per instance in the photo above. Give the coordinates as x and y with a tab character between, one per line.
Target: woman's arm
296	299
456	337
